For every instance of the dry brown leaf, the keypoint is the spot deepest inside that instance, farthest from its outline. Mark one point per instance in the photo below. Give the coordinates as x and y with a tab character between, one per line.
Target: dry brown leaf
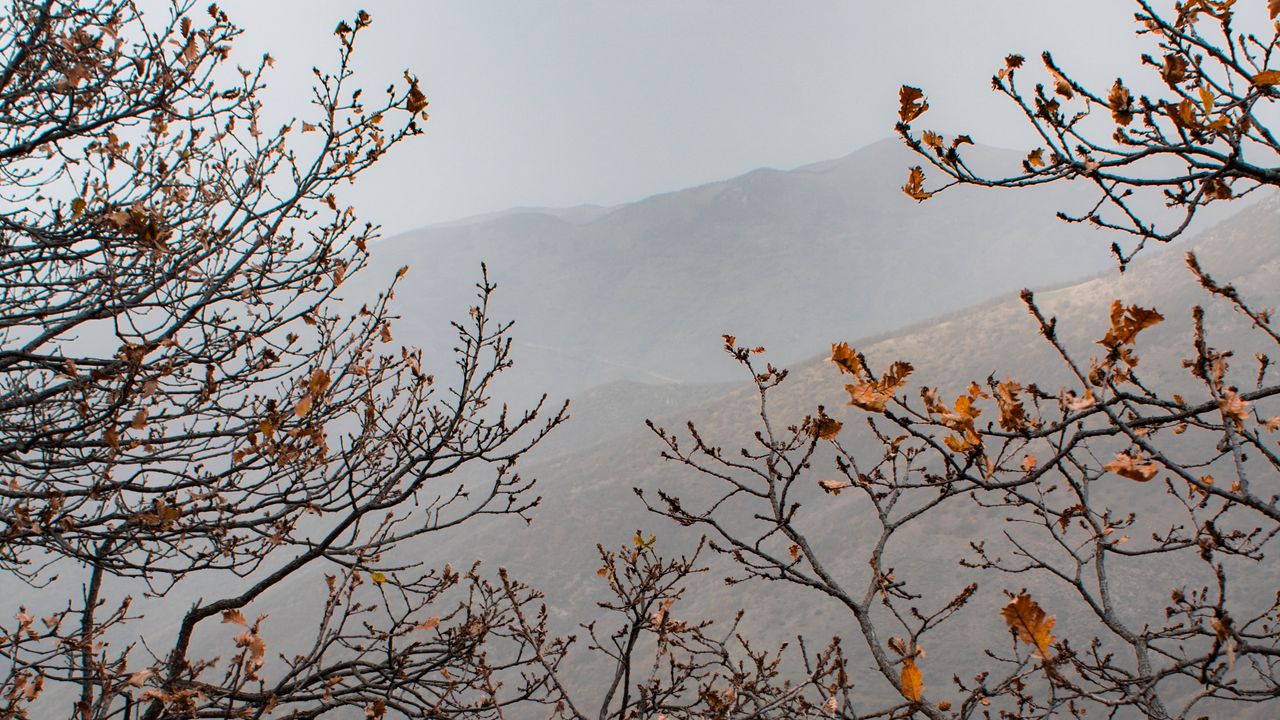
846	358
911	679
1267	78
255	644
1234	406
416	101
1061	85
874	395
914	188
318	383
1127	322
234	617
1121	104
1174	70
1028	620
1132	467
824	428
911	103
1013	414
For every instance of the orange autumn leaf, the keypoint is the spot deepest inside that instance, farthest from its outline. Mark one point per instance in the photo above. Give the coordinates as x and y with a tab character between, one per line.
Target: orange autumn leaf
1174	70
234	617
915	185
318	383
1234	406
1061	85
963	443
911	103
256	646
846	358
416	101
868	396
897	375
1013	414
1267	78
1011	63
1127	322
1121	104
958	418
1273	8
823	427
1206	99
874	395
1132	467
911	679
1029	622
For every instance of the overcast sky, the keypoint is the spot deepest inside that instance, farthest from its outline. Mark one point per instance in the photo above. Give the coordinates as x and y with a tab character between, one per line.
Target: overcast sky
565	102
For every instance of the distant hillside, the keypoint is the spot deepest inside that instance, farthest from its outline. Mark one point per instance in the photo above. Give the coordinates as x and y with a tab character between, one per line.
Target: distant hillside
787	259
588	495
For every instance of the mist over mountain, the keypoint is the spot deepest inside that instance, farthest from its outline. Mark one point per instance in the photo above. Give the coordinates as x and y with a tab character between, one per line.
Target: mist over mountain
622	309
785	259
588	492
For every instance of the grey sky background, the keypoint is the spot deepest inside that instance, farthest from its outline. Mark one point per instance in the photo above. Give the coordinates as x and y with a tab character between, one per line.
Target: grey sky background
565	102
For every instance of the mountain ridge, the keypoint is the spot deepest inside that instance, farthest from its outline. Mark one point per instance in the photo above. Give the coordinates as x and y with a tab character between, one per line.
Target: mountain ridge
786	257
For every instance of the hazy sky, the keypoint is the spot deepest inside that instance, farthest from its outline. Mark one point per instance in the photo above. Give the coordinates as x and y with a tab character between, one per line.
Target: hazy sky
563	102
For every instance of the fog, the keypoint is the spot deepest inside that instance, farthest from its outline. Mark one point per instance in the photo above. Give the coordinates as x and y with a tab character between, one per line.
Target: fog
567	103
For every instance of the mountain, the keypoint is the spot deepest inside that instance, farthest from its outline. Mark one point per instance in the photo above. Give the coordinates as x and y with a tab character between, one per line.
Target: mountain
588	496
786	259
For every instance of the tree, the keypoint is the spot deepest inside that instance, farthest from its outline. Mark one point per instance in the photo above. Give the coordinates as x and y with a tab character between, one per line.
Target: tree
190	422
194	426
1071	493
1205	138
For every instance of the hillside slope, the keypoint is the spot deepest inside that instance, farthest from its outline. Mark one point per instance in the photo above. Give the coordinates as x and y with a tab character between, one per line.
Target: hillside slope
790	259
588	495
